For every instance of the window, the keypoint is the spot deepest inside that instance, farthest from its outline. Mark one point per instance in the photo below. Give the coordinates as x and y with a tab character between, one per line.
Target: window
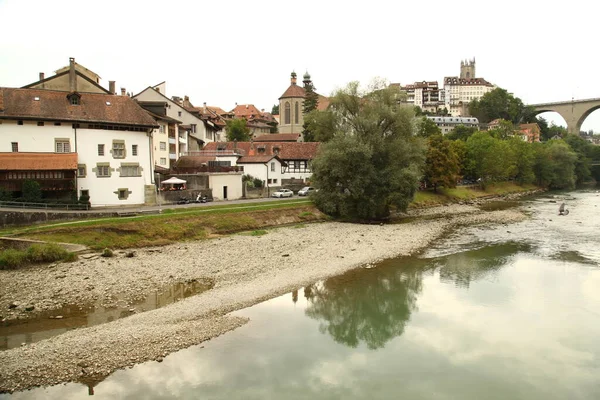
74	100
130	170
296	113
193	128
162	129
163	145
134	149
81	170
123	193
15	147
102	170
163	161
287	119
100	149
40	123
274	180
62	146
57	124
179	113
273	167
19	122
118	149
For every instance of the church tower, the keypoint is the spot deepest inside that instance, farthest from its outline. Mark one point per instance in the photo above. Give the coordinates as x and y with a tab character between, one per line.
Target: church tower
467	69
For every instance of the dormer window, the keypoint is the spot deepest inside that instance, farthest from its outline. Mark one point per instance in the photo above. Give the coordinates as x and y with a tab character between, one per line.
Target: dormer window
74	98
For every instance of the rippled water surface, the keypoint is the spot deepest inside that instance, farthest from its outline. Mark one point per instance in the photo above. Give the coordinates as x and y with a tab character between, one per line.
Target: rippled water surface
502	312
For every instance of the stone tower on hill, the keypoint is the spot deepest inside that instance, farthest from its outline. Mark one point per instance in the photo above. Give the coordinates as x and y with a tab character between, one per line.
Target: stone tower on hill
467	69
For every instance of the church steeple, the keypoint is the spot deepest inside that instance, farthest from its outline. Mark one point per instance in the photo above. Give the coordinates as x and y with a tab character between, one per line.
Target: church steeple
306	79
293	78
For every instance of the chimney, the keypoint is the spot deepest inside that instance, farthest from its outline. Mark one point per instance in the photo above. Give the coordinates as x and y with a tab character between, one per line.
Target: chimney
186	102
41	76
204	106
111	87
123	93
157	89
72	76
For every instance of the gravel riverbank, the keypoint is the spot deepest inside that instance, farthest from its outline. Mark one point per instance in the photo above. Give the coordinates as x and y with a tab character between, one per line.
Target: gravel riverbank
244	270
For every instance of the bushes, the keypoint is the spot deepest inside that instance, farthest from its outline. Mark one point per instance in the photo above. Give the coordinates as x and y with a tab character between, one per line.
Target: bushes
32	191
36	253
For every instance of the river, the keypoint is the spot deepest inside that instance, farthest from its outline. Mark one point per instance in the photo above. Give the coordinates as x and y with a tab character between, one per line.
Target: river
500	312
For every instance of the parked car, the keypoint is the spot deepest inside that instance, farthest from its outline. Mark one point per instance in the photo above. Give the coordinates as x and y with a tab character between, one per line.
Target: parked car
283	193
306	190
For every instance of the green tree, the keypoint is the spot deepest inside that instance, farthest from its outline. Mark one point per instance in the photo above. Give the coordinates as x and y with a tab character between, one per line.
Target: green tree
275	109
237	130
498	103
489	159
442	166
31	191
460	149
321	126
583	149
461	132
311	100
524	155
554	131
374	161
427	128
503	131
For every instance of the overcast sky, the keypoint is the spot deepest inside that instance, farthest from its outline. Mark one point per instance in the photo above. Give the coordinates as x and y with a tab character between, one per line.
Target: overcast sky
224	53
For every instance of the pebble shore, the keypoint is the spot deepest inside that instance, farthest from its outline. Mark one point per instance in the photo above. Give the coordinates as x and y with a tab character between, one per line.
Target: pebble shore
244	270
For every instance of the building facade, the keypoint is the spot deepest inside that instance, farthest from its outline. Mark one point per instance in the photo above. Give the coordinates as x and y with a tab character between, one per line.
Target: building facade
447	124
426	95
109	137
461	90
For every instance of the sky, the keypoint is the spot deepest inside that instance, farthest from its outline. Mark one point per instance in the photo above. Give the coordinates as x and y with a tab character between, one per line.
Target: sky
224	53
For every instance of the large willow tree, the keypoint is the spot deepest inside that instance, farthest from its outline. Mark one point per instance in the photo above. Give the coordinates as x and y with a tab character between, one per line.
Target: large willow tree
374	160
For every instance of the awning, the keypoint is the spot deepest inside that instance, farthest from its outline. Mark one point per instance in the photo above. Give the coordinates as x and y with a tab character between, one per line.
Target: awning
173	181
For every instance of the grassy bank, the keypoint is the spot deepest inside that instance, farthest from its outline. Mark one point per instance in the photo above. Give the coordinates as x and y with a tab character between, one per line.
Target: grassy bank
36	253
178	225
172	226
428	198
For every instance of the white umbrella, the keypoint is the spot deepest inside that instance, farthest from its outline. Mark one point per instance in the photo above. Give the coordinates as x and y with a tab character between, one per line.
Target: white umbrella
173	181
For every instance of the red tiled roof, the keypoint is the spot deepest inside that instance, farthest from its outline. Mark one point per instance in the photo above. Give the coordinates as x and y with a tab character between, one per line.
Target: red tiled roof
287	150
246	110
38	161
39	104
323	103
294	91
278	137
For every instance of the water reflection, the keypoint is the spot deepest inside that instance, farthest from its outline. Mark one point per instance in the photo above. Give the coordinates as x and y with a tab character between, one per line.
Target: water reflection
14	333
365	305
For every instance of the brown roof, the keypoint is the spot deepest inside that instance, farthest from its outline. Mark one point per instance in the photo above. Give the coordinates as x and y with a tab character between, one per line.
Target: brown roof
278	137
38	161
294	91
260	159
323	103
287	150
246	110
192	161
454	80
39	104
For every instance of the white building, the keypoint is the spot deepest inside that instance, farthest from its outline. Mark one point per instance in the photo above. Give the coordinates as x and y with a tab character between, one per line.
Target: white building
198	136
461	90
447	124
426	95
109	137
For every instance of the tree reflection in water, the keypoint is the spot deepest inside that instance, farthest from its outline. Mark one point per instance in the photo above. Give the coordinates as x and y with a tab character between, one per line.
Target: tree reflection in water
463	268
371	306
374	305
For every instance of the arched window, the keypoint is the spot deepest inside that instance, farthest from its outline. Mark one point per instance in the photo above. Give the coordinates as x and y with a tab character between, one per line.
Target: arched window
296	113
287	119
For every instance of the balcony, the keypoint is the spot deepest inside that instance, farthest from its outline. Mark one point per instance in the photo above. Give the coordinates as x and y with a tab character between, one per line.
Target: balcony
172	156
182	139
172	140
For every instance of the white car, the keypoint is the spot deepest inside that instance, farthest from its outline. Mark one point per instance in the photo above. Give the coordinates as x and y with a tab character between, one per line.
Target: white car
305	191
283	193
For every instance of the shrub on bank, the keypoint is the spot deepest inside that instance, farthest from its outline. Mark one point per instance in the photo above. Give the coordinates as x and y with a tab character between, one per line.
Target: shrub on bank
36	253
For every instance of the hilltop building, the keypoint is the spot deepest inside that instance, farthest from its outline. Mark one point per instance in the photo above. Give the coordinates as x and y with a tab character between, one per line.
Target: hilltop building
461	90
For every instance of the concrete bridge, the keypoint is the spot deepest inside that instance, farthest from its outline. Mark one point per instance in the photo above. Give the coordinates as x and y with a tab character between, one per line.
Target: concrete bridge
574	112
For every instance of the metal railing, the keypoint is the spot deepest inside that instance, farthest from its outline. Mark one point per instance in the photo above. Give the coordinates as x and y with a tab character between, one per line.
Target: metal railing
46	206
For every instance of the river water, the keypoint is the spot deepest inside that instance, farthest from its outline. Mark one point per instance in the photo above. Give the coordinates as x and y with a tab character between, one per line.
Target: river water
501	312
